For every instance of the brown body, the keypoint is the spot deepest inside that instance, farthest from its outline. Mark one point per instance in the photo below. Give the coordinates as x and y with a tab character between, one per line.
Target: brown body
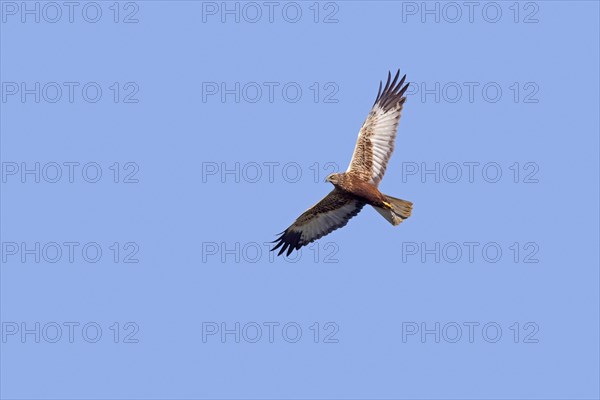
366	191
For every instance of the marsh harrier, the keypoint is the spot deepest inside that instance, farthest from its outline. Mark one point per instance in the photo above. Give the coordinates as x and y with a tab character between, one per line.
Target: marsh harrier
358	185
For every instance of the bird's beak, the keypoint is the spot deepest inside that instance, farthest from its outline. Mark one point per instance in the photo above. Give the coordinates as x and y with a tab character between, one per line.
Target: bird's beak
326	180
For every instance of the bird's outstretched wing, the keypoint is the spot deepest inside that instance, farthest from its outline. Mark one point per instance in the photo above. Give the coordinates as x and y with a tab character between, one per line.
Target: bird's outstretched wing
376	138
329	214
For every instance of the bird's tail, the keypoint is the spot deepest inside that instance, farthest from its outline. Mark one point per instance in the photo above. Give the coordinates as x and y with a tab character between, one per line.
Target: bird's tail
398	211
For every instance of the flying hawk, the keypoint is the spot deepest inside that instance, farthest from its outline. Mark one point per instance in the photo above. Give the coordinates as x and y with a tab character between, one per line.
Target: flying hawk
358	185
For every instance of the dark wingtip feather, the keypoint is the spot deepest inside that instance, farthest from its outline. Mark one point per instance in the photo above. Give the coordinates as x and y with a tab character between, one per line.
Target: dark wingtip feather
277	245
289	240
393	92
279	238
282	249
387	84
378	93
393	84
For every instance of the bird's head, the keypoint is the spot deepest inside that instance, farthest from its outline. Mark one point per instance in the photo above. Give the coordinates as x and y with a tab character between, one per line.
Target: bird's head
333	178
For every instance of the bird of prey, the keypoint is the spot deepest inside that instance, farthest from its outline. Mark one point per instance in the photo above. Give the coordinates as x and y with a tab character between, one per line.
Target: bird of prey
357	186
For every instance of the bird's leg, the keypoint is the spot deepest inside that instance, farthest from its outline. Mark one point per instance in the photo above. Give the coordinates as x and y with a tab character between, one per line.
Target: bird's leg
388	205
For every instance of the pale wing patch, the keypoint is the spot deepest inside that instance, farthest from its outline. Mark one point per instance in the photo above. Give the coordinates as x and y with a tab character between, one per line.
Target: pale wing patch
376	138
323	223
332	212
